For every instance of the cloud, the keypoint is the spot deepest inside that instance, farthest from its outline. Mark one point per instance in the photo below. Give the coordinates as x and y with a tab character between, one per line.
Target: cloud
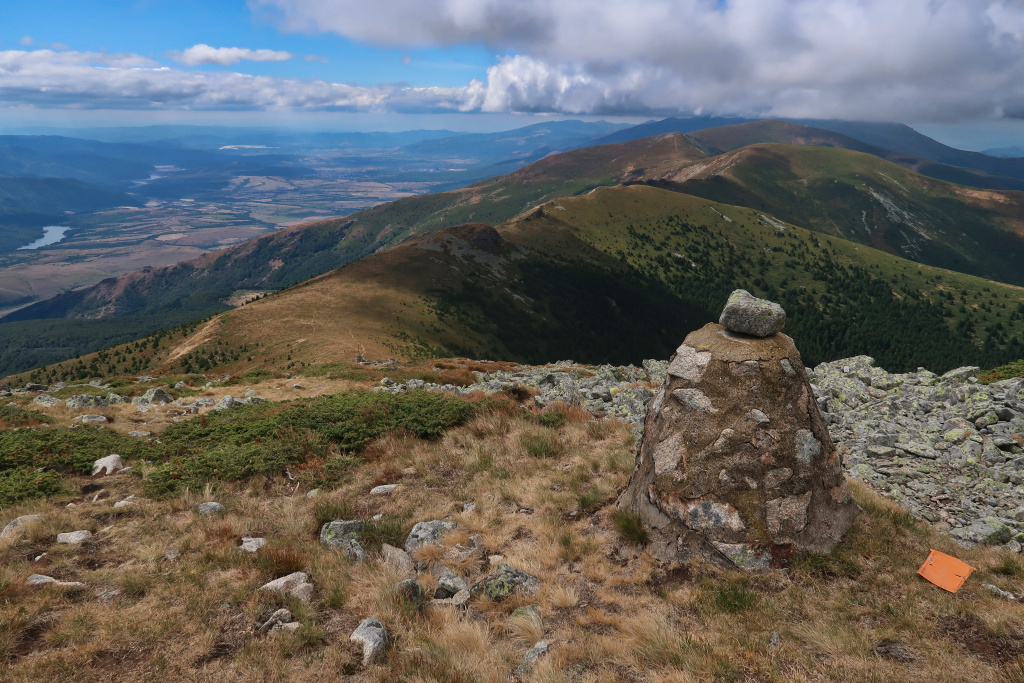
317	58
225	56
91	80
26	40
876	59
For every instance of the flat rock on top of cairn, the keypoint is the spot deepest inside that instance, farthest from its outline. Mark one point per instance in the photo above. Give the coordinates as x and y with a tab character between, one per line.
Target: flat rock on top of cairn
746	314
736	460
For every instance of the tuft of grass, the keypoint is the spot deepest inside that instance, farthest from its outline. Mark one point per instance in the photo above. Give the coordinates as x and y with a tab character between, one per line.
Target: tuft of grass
732	597
281	560
331	510
377	532
589	501
1009	566
834	565
630	527
552	420
542	445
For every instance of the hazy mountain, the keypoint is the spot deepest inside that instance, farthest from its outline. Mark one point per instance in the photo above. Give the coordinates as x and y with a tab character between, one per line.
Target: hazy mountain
1005	152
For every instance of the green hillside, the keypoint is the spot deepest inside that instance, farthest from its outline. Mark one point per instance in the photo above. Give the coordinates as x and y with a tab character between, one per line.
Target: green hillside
871	201
618	275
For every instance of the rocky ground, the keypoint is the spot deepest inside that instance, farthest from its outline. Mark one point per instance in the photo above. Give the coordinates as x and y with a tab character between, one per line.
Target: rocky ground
949	449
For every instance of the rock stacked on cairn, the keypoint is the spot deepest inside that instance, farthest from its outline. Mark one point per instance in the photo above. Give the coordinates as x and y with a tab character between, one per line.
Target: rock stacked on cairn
736	464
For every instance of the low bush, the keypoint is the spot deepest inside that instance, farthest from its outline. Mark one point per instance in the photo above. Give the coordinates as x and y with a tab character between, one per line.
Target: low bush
71	449
225	463
16	416
21	484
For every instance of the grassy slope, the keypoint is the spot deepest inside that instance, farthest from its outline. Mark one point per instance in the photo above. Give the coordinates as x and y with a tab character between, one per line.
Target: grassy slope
871	201
618	275
608	610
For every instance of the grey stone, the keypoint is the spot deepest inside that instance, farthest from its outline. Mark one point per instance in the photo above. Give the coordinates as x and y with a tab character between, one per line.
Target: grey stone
45	400
86	419
296	584
410	591
74	537
43	580
530	658
746	314
80	401
225	403
504	581
373	638
458	601
398	561
251	544
281	616
427	533
210	508
18	523
999	592
448	584
383	489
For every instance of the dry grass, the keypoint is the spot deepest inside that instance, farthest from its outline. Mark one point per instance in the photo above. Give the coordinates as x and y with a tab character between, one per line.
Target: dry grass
608	610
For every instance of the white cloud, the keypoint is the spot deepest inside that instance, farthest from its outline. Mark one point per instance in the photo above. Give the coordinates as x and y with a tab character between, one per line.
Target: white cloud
877	59
91	80
225	56
26	40
317	58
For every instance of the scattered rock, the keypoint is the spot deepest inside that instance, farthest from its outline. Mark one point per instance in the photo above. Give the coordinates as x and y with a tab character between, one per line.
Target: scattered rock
427	533
531	612
204	402
210	508
18	523
746	314
296	584
43	580
530	658
130	500
225	403
36	387
373	637
999	592
156	396
74	537
251	544
281	616
458	601
502	582
86	419
140	434
45	400
344	535
448	583
111	464
383	489
896	651
80	401
410	591
398	561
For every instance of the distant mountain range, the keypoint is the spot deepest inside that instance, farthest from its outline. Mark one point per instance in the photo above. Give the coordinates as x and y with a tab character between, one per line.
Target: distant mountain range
820	179
1005	152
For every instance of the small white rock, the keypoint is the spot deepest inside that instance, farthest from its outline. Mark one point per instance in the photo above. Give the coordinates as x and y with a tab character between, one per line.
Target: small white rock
210	508
296	584
108	465
251	544
383	489
372	635
74	537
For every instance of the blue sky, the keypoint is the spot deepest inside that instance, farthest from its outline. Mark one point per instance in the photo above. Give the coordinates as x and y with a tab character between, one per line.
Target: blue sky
955	67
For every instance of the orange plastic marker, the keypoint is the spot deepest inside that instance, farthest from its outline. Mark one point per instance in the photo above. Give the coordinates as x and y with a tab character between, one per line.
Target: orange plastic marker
945	571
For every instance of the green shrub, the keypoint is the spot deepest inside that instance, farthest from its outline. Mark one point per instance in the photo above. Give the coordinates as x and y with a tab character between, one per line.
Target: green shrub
551	420
224	463
355	418
377	532
71	449
630	527
16	416
1009	371
21	484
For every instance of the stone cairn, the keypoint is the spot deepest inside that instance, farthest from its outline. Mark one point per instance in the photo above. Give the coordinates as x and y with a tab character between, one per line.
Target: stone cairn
736	465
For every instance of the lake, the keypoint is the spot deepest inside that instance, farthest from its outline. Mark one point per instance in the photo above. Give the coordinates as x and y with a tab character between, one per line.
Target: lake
51	235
